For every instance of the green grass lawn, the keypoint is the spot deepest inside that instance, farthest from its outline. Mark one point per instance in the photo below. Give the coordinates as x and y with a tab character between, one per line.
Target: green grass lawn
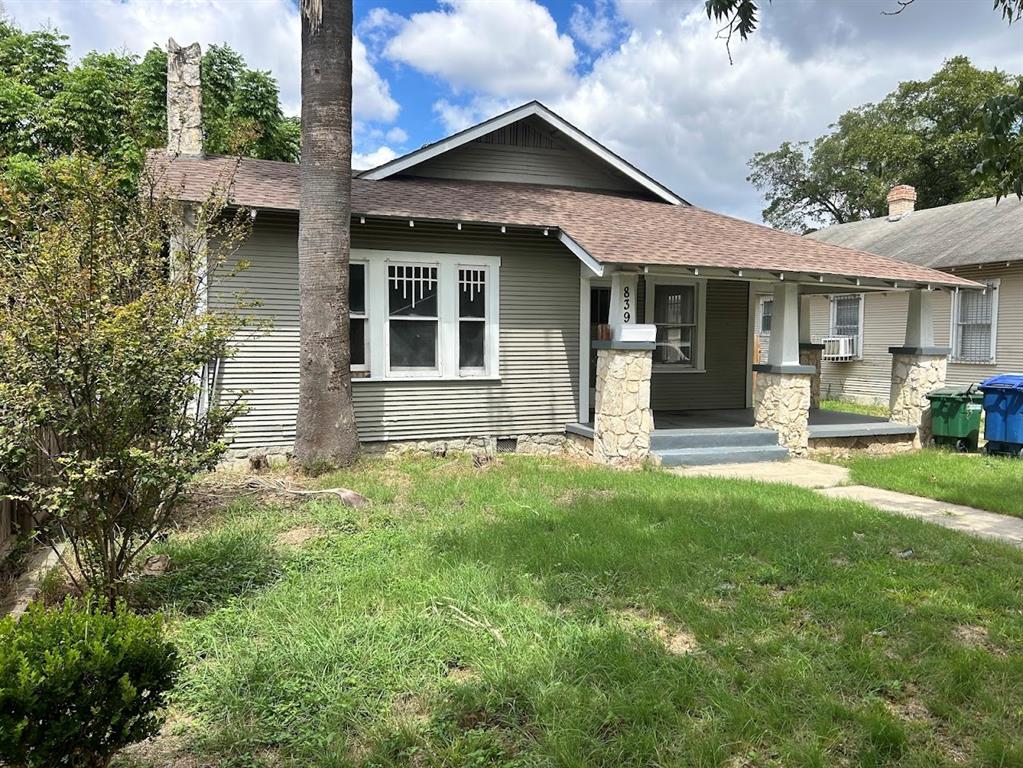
539	613
866	410
994	483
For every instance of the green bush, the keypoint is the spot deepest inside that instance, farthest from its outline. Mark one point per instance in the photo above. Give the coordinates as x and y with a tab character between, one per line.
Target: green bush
79	683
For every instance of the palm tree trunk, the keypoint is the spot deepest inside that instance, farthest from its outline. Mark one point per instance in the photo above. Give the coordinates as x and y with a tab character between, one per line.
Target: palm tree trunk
325	432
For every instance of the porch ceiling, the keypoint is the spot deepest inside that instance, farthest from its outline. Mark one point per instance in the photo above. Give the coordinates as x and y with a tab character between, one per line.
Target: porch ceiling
611	229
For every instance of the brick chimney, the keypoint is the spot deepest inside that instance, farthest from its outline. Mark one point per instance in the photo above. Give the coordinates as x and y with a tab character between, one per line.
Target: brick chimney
184	99
901	200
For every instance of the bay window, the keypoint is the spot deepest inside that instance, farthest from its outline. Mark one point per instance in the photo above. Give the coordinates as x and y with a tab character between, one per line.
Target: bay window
425	315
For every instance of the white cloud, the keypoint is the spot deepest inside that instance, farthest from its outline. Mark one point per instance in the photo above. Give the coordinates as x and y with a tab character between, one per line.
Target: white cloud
266	33
594	27
396	135
507	48
379	156
371	95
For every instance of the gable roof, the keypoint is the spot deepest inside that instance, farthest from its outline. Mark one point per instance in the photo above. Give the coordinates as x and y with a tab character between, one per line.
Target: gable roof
600	228
977	232
530	109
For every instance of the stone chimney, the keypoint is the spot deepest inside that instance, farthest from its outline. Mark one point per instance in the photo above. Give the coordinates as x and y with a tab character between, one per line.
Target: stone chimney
184	99
901	200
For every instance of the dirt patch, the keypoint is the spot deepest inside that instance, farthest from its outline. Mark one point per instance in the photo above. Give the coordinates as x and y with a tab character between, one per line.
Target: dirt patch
676	640
460	673
298	536
411	708
976	636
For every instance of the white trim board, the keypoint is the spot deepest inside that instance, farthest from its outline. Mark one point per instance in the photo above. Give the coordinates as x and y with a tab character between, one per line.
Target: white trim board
532	109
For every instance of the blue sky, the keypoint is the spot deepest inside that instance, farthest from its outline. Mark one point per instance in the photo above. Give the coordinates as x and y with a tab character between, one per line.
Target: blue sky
646	77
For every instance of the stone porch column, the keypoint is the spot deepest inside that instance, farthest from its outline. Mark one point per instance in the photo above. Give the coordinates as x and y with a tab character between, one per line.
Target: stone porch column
622	419
811	356
918	368
781	397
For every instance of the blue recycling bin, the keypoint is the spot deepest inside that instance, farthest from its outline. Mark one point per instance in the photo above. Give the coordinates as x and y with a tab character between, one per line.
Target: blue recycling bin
1003	414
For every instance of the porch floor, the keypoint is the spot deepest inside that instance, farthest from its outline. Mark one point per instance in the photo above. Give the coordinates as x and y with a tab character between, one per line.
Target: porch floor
823	424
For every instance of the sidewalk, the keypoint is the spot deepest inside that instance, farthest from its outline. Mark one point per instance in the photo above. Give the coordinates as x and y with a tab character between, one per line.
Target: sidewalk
976	521
829	479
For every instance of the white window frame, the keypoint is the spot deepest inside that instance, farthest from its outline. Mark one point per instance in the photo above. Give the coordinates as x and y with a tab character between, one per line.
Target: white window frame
953	329
364	367
833	317
700	286
378	312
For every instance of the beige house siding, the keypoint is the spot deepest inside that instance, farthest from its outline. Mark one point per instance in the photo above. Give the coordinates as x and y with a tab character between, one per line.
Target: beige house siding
539	341
723	384
525	152
884	324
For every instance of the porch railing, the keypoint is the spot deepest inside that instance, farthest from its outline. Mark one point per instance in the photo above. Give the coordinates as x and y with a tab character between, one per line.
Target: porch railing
840	349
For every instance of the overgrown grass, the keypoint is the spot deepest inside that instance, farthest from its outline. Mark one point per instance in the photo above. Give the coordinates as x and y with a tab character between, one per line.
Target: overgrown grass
537	613
994	483
866	410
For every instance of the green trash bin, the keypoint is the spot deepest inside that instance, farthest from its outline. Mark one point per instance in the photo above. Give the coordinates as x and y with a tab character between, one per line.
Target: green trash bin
955	416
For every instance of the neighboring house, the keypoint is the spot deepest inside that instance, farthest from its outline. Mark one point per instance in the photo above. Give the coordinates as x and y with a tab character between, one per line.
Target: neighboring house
982	328
484	267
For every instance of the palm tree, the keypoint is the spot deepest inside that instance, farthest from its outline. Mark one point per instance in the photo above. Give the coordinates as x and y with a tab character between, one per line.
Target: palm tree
325	433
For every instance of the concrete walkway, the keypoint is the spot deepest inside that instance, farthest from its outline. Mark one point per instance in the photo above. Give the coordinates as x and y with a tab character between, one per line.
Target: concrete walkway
830	480
967	519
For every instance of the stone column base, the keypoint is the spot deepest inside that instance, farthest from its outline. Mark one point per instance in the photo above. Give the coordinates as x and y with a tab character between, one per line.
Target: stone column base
623	419
811	355
781	402
916	371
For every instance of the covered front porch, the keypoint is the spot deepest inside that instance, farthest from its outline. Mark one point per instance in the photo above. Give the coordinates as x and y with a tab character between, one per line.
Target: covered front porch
689	386
730	435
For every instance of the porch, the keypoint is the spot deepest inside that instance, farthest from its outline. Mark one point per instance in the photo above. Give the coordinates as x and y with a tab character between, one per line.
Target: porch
730	435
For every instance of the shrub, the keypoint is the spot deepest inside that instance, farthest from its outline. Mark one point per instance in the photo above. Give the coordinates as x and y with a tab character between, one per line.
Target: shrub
79	683
107	353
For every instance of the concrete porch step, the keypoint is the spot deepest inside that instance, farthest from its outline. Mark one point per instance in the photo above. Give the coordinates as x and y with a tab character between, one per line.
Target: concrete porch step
703	456
735	437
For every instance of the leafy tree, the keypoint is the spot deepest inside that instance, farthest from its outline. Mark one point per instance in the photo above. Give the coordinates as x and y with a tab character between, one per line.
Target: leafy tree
924	133
325	432
113	106
1000	118
104	338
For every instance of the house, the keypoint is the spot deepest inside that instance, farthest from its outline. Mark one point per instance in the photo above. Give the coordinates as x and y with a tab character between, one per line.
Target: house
485	268
982	328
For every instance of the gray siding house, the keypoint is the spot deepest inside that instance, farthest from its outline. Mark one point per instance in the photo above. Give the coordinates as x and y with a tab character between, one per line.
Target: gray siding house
520	285
982	328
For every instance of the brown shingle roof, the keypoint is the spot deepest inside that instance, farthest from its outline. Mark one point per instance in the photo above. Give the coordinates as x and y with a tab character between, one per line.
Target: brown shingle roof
613	229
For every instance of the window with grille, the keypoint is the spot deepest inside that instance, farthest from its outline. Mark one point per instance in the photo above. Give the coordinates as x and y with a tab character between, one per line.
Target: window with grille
423	315
472	318
357	316
413	317
675	314
845	315
973	326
